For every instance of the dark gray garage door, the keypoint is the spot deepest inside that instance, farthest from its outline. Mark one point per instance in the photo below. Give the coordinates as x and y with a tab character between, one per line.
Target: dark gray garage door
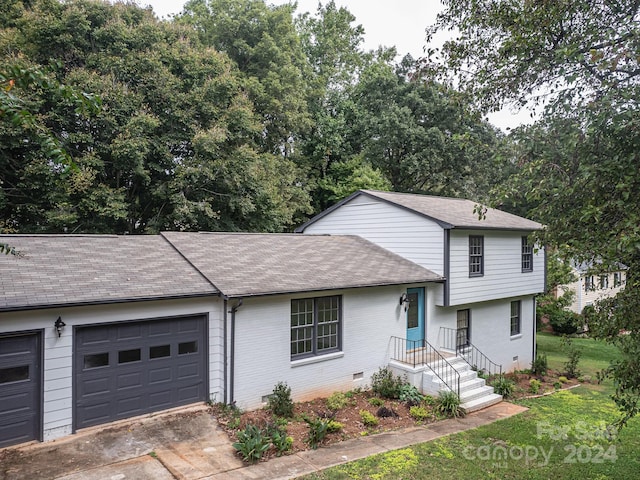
20	387
128	369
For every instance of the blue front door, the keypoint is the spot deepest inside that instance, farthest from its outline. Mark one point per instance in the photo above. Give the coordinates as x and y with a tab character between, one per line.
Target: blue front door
415	318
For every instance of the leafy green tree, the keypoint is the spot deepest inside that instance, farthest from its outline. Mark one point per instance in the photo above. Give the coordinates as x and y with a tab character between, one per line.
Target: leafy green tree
421	135
579	167
169	104
346	177
263	42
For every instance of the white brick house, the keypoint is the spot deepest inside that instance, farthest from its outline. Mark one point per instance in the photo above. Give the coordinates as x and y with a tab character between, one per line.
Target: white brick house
95	328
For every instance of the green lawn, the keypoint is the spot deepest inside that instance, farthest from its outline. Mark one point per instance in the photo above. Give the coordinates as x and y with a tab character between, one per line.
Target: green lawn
562	436
595	354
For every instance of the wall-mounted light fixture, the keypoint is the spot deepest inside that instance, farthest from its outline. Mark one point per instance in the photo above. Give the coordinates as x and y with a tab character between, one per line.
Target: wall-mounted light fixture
59	325
404	301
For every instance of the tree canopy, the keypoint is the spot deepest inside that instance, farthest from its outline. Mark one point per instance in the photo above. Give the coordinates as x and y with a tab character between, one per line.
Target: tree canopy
234	115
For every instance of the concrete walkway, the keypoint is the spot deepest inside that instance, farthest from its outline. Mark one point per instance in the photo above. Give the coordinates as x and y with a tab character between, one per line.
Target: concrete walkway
188	445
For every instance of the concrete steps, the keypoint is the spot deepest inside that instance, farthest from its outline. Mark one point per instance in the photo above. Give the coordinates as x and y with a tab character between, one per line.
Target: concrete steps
475	394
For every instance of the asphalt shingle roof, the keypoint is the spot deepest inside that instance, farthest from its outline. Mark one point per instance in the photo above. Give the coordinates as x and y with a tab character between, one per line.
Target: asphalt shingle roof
55	270
448	212
456	212
246	264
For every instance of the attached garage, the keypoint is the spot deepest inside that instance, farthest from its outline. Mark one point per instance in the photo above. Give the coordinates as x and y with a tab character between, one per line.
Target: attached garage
126	369
20	388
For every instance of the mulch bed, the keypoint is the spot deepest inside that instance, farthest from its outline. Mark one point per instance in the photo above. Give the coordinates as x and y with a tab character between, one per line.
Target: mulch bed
233	421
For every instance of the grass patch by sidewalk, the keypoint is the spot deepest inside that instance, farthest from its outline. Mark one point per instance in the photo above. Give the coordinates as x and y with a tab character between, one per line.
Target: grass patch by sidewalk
562	436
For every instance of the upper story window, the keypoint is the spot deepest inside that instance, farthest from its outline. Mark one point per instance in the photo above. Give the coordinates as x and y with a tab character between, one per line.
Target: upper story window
476	255
617	279
604	281
589	283
315	326
515	318
527	255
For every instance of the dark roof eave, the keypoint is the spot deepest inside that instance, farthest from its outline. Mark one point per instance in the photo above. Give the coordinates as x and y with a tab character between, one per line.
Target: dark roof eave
327	289
107	302
502	229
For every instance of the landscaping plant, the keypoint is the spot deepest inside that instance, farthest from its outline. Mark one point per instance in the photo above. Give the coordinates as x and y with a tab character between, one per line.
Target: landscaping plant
252	443
573	356
368	418
410	394
503	386
448	404
280	402
539	365
337	401
318	429
385	384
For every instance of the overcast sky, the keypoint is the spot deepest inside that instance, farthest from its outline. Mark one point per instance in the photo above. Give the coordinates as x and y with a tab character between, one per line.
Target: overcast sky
386	22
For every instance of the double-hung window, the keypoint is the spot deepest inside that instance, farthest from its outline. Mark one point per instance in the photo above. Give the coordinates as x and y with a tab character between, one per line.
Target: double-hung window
315	326
527	255
589	283
476	255
617	279
515	318
604	281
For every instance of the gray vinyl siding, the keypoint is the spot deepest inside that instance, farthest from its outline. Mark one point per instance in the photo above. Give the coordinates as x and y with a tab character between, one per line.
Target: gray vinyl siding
398	230
502	277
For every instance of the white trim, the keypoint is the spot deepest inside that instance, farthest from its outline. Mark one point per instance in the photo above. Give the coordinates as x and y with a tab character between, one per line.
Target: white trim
316	359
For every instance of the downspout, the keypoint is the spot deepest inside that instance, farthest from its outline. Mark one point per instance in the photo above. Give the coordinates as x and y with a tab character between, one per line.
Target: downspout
535	330
446	267
224	350
233	311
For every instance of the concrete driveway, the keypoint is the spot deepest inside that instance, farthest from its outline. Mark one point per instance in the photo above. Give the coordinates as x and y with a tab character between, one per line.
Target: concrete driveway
182	444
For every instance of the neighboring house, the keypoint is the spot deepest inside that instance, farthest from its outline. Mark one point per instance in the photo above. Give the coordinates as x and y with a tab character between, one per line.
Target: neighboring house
590	287
96	328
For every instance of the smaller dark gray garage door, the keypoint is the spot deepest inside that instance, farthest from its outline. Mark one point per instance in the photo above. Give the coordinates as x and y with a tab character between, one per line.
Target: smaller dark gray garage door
20	387
128	369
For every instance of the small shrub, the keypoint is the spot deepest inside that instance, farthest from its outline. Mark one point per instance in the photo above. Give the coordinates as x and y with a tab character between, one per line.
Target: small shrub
410	394
564	322
280	440
280	402
333	426
375	402
539	365
419	413
429	401
337	401
573	357
534	386
252	443
557	385
368	418
448	404
384	412
563	379
318	429
385	384
503	386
